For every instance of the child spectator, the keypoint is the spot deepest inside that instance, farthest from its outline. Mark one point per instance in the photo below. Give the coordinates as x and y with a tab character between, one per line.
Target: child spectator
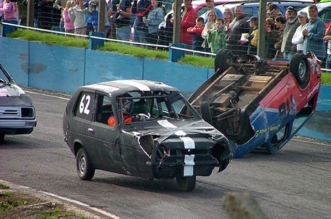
197	40
253	36
216	38
69	26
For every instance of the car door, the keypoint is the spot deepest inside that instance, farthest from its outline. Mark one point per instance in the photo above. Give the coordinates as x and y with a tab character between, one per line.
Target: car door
105	136
81	124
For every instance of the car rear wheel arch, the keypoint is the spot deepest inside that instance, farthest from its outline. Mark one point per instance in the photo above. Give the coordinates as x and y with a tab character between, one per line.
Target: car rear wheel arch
299	67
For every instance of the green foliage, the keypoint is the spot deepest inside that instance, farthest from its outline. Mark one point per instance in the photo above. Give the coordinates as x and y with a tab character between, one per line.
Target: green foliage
3	186
326	78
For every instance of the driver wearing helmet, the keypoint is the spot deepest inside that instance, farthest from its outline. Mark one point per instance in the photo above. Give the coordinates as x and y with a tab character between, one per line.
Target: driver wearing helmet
127	117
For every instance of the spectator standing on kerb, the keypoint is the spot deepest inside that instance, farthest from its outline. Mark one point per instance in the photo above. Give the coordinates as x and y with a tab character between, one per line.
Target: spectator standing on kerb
291	25
314	34
60	5
155	17
210	5
68	25
188	20
237	27
327	38
196	34
78	16
142	8
298	38
280	25
253	35
228	18
123	32
216	38
209	27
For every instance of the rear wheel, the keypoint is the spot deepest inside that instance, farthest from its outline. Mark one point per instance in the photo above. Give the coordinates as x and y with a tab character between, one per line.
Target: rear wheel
299	66
85	169
186	184
223	59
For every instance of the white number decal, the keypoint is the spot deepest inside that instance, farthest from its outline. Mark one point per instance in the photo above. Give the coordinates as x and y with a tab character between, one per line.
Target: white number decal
84	108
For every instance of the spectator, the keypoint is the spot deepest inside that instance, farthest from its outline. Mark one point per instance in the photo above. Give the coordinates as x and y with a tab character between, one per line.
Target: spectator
68	25
271	37
253	35
228	17
280	25
328	51
188	20
216	38
273	11
60	5
298	37
78	16
10	11
237	27
314	34
196	32
166	29
155	17
211	6
122	20
140	28
209	27
291	25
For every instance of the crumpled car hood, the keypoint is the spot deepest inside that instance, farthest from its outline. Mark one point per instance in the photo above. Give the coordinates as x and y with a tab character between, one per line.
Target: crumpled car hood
12	95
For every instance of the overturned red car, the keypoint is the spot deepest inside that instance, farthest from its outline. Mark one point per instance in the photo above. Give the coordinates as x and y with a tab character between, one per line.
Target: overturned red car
258	104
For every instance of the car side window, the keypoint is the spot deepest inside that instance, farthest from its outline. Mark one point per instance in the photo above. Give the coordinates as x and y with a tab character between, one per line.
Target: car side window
104	108
84	106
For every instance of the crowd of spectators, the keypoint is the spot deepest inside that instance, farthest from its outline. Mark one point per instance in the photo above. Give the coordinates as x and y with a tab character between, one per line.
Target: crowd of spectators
147	21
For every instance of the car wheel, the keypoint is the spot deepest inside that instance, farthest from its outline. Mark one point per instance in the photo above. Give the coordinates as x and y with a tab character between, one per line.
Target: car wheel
299	66
84	168
223	59
205	112
186	184
2	138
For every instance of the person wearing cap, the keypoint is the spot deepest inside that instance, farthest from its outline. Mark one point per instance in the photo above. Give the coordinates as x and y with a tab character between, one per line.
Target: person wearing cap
314	34
253	36
298	38
235	30
291	25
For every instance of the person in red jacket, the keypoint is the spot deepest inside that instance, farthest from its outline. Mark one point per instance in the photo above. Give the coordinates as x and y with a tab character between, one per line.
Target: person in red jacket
189	15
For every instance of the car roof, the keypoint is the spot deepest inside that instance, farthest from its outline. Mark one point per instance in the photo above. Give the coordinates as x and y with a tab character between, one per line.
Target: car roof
282	4
320	6
119	87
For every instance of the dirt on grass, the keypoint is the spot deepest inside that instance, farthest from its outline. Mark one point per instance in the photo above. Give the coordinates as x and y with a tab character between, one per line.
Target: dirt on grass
17	204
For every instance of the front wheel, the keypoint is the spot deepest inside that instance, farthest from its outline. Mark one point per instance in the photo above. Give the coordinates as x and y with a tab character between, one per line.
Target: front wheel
85	169
186	184
299	66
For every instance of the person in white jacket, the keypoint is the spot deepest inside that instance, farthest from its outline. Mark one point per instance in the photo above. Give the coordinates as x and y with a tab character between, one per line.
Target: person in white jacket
298	38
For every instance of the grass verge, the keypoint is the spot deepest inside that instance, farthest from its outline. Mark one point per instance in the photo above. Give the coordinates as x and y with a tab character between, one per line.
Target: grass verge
17	204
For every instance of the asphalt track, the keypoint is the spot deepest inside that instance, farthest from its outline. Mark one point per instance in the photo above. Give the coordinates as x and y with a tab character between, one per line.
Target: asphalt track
295	183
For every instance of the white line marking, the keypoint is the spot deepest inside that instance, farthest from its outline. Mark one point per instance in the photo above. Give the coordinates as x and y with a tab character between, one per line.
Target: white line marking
188	142
47	95
189	163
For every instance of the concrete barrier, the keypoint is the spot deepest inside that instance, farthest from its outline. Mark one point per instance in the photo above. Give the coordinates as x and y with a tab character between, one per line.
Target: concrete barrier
64	69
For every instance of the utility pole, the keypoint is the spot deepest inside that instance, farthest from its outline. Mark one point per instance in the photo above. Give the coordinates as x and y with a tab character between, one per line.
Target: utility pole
101	15
262	17
177	21
30	15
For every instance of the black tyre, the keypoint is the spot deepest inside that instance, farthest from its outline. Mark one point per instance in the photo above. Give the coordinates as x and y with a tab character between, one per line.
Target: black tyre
2	138
186	184
84	168
223	59
299	67
205	112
